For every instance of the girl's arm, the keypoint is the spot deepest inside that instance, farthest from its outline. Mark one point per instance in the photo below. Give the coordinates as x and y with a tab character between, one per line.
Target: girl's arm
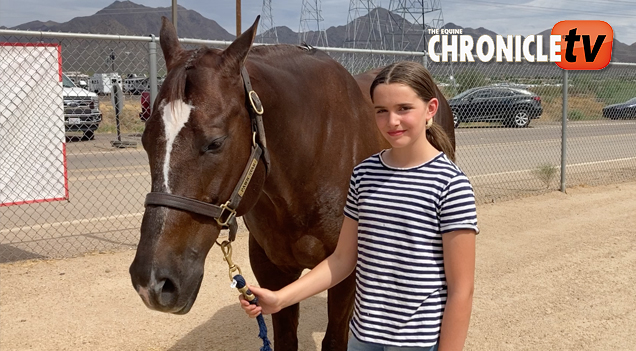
326	274
459	266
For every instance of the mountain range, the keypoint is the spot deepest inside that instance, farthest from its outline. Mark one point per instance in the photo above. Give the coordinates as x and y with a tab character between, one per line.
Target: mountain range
129	18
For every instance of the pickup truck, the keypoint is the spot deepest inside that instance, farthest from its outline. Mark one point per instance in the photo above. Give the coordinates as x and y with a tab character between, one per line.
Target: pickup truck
81	109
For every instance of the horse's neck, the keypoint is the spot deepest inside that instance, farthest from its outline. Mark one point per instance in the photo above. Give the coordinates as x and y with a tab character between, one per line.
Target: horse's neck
317	128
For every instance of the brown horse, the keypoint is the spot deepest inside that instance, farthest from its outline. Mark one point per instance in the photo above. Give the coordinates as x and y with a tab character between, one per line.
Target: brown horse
210	161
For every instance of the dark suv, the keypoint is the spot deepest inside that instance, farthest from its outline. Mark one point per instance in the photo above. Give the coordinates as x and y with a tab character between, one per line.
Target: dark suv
513	106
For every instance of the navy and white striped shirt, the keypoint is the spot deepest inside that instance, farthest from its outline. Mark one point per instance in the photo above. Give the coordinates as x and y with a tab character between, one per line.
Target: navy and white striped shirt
402	214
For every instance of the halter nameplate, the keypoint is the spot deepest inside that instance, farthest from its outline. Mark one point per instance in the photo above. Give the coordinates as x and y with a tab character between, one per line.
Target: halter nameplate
246	182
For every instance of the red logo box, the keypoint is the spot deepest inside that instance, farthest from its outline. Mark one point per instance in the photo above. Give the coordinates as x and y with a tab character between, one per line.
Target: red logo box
585	45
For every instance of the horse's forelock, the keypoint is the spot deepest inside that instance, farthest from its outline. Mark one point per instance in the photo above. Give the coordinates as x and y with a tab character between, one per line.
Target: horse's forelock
176	79
175	83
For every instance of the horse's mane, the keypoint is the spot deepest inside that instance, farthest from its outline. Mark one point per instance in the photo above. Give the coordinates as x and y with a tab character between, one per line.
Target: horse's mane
176	80
284	49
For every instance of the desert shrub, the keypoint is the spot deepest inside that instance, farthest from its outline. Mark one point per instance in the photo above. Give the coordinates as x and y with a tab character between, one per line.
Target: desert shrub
545	173
576	115
470	78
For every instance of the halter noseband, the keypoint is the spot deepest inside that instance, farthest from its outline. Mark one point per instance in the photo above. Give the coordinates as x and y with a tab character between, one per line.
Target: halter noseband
225	214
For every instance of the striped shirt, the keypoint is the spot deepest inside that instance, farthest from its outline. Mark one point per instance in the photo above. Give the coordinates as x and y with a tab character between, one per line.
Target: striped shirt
402	214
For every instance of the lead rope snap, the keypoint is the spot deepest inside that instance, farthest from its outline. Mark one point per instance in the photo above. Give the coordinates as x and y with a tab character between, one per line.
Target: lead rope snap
238	282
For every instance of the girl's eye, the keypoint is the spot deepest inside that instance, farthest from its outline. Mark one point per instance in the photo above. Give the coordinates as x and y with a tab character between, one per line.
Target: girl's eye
405	108
380	111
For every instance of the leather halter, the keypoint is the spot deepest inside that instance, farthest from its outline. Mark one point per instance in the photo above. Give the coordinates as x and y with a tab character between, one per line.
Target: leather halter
225	214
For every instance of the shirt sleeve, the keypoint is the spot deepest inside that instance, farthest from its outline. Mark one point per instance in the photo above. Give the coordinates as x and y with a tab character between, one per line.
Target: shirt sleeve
457	206
351	207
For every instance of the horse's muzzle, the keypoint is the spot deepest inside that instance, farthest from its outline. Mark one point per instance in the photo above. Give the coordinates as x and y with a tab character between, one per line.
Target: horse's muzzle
165	293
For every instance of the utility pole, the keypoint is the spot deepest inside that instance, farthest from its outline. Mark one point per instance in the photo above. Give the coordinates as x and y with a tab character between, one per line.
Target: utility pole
174	14
112	60
238	17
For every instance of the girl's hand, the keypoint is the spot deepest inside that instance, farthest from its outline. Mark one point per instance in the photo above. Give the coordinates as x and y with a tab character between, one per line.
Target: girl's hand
268	302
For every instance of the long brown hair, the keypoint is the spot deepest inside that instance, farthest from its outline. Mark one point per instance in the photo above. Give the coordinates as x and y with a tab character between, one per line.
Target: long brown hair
415	76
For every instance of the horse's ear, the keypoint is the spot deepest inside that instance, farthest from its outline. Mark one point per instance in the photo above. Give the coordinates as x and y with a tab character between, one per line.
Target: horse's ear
169	42
237	51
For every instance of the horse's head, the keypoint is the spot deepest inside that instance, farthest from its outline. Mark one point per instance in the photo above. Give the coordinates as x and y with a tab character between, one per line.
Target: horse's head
198	140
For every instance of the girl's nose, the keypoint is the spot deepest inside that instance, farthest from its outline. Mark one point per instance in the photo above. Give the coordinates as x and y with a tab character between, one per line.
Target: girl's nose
394	119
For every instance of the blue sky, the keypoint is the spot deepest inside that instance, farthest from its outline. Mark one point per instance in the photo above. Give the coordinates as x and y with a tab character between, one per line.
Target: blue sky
522	17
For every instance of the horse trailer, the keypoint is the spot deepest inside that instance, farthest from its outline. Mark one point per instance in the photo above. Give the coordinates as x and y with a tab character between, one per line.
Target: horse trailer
101	83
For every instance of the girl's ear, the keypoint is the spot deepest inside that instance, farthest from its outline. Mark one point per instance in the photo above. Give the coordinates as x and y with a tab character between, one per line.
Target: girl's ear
431	108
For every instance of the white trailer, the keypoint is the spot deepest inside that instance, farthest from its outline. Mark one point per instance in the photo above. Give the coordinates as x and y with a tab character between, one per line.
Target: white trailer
78	78
101	83
136	85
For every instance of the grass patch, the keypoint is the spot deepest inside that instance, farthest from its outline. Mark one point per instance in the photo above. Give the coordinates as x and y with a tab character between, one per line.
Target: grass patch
129	121
615	91
545	173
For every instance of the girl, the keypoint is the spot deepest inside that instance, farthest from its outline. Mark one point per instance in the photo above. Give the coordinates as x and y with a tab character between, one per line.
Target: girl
409	231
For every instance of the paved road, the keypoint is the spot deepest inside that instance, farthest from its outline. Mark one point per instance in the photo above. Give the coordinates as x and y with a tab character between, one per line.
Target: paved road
107	186
488	151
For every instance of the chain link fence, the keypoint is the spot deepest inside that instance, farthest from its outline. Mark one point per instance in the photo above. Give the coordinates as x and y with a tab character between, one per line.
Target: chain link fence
509	125
509	134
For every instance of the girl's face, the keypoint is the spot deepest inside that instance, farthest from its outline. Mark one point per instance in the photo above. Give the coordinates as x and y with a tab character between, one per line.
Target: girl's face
401	115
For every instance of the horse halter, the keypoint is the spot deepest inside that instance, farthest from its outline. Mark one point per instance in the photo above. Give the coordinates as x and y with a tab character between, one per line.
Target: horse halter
225	215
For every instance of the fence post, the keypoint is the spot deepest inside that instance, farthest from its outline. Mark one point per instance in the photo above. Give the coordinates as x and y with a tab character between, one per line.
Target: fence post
564	124
425	59
152	60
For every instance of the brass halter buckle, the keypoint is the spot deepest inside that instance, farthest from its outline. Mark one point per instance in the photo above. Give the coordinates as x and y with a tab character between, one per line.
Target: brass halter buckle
226	248
231	214
256	102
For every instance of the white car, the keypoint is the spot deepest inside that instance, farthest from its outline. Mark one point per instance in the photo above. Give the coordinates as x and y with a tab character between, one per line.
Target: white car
81	109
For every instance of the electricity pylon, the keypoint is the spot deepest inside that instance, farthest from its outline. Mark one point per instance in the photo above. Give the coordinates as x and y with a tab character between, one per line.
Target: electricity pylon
311	29
269	35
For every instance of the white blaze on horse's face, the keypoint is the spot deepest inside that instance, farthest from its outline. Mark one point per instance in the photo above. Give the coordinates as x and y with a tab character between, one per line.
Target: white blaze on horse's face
175	115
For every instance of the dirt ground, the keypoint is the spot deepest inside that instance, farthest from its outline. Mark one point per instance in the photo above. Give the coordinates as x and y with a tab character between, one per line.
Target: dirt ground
554	272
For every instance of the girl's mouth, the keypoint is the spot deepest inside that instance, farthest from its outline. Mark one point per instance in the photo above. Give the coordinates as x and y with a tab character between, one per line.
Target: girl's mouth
396	133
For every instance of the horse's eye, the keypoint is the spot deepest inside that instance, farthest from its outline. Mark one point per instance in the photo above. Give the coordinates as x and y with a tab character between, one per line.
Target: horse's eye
215	145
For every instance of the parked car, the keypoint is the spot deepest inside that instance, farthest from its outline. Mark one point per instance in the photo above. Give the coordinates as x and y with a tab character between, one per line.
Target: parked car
81	109
513	106
623	110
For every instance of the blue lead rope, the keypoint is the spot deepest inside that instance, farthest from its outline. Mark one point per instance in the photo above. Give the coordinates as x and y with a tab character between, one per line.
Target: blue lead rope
239	283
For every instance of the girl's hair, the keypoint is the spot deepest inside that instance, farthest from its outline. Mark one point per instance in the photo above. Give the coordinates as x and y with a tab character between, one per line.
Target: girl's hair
415	76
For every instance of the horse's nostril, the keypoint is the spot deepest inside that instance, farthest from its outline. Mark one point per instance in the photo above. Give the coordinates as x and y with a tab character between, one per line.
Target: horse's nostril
168	287
166	292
